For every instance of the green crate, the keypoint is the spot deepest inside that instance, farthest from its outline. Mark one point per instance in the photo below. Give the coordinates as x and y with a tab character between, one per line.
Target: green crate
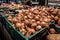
12	31
16	35
53	25
1	17
57	28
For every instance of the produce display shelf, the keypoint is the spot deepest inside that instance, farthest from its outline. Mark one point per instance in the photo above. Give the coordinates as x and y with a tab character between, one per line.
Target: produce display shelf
16	35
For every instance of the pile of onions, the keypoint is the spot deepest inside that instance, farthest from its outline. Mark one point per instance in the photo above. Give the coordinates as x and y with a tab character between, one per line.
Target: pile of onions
30	21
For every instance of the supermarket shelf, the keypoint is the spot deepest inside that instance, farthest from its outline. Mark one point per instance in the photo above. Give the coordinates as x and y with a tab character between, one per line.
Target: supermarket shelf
54	4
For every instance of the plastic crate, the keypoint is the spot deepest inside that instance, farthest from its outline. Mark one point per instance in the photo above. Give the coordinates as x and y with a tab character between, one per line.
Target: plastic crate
1	18
53	25
16	35
57	28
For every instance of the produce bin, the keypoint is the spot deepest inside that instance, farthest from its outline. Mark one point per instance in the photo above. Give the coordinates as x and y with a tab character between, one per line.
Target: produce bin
16	35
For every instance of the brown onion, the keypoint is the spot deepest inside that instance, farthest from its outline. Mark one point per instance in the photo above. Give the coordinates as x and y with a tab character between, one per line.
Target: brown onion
38	27
44	24
23	31
27	21
28	34
38	22
25	17
18	25
15	20
52	31
58	22
30	17
56	18
10	18
36	18
34	24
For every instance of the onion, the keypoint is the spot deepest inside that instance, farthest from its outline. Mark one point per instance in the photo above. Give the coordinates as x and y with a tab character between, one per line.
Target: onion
38	22
44	24
23	31
46	20
28	34
34	24
41	19
21	14
52	16
29	31
48	16
36	18
43	9
52	31
27	22
25	17
30	14
30	17
22	25
32	30
56	18
33	21
18	25
35	11
43	13
18	18
15	20
10	18
56	10
58	22
47	9
38	27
